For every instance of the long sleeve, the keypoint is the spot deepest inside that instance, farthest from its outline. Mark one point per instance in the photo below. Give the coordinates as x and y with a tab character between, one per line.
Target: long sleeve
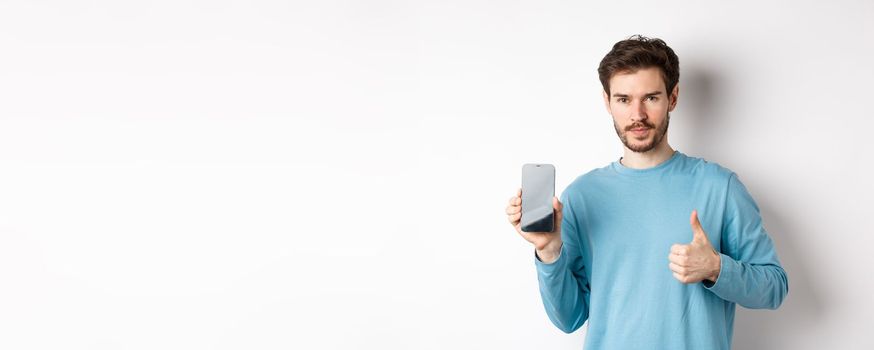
564	287
750	273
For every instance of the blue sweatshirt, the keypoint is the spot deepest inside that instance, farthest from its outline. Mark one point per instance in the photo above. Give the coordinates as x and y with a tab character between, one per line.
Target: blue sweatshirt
617	230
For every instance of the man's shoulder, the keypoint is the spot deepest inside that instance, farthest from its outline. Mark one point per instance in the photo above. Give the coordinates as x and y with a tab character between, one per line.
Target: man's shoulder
593	176
700	167
594	180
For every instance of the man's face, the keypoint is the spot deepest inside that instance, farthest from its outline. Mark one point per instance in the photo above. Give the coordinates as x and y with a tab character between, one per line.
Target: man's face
639	105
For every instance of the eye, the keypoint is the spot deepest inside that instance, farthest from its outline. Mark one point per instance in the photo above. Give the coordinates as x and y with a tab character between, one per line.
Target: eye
653	98
622	99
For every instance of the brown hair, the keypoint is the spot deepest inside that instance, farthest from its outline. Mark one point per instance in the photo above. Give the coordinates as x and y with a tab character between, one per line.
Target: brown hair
638	52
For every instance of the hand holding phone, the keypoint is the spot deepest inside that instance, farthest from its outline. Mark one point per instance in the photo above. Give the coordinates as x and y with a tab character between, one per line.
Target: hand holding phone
537	193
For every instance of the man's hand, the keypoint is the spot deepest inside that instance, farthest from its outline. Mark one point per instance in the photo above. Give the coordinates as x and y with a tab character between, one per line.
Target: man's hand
696	261
546	244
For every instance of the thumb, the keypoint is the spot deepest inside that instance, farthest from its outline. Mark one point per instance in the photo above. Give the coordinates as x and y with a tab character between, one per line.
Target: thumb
698	233
556	204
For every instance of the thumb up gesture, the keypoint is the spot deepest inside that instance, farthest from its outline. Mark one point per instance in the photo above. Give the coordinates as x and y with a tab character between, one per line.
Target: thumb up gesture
696	261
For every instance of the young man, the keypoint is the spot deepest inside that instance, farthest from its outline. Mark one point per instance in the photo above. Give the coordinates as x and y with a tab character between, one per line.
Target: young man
656	248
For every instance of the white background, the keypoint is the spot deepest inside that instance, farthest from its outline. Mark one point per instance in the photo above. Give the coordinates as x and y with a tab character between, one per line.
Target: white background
333	175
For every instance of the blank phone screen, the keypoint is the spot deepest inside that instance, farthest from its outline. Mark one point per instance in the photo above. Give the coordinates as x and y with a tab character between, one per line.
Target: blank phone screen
538	188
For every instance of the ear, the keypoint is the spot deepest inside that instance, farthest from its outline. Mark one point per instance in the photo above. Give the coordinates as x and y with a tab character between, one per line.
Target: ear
606	101
674	95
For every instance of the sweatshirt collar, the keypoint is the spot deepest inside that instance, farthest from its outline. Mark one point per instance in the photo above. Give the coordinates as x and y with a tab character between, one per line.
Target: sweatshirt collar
622	169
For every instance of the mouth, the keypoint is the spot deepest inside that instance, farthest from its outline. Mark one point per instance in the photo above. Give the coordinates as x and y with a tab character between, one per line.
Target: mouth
639	131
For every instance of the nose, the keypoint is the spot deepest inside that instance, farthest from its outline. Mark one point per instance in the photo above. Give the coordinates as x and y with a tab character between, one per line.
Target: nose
638	111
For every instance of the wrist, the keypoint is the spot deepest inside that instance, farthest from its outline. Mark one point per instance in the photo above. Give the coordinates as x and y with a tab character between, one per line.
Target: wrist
714	275
550	252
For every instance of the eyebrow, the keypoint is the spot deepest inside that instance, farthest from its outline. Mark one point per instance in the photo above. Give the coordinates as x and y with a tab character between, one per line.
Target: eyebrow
649	94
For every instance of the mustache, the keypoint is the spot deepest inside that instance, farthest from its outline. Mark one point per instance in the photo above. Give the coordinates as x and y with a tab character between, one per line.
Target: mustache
642	124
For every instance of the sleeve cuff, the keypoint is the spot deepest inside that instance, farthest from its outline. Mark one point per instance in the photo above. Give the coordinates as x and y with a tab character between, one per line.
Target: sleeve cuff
550	268
728	272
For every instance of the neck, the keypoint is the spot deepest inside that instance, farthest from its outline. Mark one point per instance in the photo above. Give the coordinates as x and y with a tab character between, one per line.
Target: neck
648	159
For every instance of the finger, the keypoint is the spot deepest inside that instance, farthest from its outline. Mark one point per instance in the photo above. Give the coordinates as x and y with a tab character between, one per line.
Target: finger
680	249
677	268
557	206
514	218
678	260
698	233
557	203
680	277
516	197
513	209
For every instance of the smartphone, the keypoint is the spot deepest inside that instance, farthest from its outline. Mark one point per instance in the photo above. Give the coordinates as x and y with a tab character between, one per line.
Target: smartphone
538	188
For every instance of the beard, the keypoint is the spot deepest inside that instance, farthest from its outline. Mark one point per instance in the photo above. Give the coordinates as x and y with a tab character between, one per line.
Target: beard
660	132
